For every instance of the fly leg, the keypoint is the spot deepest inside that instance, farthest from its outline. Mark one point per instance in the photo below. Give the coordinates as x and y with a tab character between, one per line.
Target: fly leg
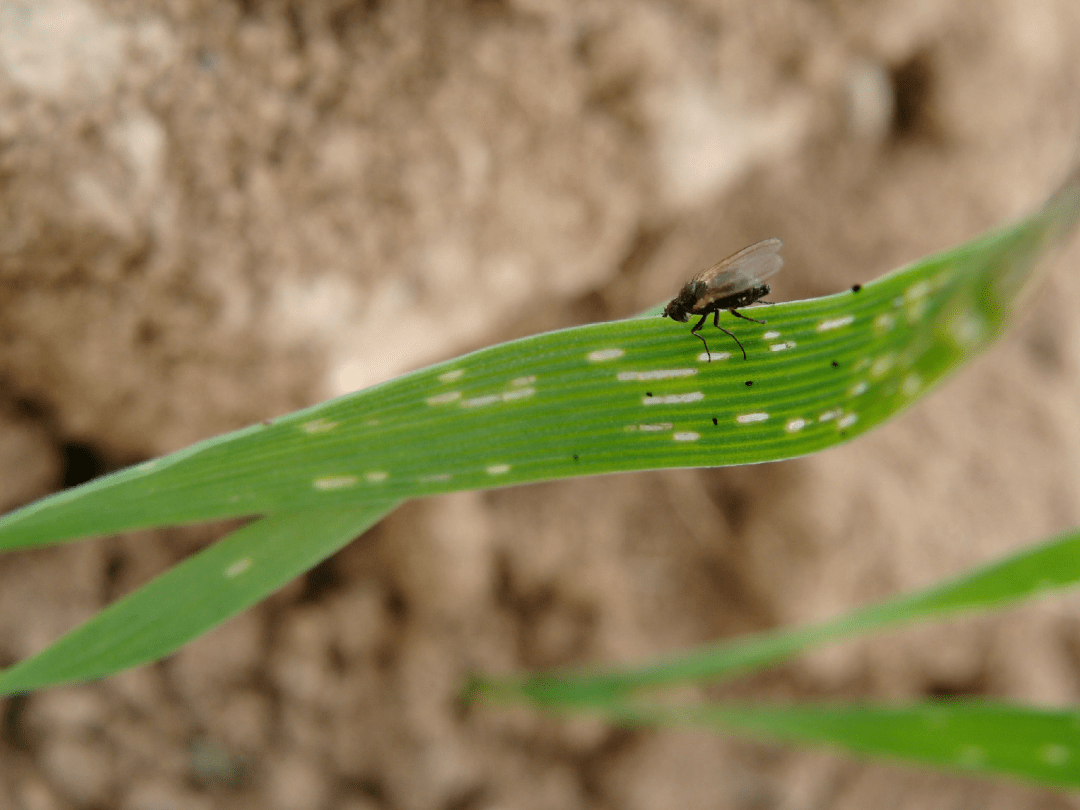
738	314
716	323
694	331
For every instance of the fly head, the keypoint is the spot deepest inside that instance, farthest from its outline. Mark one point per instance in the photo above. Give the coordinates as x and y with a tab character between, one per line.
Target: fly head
676	311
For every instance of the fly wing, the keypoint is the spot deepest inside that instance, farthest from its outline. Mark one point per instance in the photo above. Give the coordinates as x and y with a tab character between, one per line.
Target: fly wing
747	268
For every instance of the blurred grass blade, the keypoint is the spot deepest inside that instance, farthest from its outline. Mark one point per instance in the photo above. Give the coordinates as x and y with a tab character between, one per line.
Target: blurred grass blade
194	596
977	737
610	397
1049	567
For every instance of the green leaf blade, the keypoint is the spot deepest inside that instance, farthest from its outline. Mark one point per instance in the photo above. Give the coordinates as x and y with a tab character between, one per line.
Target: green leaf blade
976	737
612	397
1041	570
193	596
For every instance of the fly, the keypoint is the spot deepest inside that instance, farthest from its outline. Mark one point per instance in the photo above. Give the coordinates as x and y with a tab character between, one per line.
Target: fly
737	281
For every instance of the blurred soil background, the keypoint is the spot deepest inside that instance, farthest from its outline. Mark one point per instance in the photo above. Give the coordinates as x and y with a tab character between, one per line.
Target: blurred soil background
217	211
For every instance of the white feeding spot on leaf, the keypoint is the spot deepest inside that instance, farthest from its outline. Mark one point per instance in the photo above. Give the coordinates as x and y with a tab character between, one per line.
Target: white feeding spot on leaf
652	428
523	381
334	482
442	399
971	756
477	402
857	389
747	418
825	417
318	426
847	420
881	365
917	291
779	347
967	329
884	322
376	477
600	355
673	399
835	323
498	469
771	335
657	374
915	310
238	567
520	393
435	478
703	357
1054	754
911	385
795	425
686	436
450	376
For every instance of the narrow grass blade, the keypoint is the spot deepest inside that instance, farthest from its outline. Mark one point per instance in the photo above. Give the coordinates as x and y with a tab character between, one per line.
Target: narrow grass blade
612	397
1052	566
194	596
976	737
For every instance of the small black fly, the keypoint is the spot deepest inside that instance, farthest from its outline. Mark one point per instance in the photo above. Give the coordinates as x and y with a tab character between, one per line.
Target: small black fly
737	281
